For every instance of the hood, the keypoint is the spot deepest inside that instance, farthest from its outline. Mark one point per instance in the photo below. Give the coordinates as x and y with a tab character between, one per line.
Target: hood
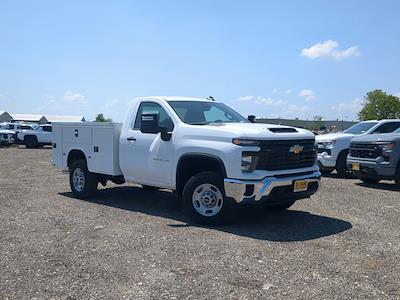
383	137
258	131
333	136
6	131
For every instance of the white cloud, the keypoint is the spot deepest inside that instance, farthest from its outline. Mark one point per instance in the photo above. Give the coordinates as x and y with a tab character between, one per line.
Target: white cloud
245	98
270	101
397	95
72	97
308	95
288	91
329	49
352	106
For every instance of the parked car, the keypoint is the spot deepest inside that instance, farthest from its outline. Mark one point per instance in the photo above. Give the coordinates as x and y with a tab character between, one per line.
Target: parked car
207	153
34	136
6	137
376	157
334	148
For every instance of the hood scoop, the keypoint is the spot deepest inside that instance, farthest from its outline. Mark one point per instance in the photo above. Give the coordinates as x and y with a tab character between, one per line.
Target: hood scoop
282	129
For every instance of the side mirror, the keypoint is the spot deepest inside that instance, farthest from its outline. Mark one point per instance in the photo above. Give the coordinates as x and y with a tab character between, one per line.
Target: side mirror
149	123
165	135
251	118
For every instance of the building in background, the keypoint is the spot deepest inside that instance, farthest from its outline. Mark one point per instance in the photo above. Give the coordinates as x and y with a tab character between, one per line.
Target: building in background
339	125
5	116
27	118
61	118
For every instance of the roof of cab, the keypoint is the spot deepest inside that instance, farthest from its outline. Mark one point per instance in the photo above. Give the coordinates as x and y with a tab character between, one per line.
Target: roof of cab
177	98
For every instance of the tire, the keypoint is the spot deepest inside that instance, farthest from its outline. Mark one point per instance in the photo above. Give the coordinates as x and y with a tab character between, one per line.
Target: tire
204	200
282	206
31	142
341	165
369	180
83	183
397	176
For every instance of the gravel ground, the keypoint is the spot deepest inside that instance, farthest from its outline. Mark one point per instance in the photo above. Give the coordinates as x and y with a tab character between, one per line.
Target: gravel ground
129	243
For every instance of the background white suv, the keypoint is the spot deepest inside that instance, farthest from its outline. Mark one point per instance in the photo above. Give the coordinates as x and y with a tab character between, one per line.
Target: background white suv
334	148
36	135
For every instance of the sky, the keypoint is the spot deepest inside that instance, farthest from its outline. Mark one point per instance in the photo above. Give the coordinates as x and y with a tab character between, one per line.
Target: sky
288	59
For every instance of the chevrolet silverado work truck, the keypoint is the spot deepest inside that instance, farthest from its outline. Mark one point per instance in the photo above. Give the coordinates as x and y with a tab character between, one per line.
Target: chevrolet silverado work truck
211	156
376	157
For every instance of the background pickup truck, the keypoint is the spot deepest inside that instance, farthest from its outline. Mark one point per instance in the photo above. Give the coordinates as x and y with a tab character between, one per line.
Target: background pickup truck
376	157
34	136
334	148
211	156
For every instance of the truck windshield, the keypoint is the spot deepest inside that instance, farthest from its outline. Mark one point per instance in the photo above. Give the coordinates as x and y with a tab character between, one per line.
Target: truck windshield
360	128
201	113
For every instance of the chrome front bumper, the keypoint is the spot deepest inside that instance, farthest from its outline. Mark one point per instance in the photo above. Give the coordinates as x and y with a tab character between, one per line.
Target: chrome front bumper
236	189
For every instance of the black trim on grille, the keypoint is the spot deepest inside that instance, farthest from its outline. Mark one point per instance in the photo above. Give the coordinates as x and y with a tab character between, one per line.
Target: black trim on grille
365	150
277	154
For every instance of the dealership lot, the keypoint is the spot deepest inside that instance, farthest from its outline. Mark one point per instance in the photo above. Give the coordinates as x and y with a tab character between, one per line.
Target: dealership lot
343	242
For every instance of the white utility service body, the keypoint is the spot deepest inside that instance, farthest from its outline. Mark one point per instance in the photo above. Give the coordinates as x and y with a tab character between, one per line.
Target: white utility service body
179	142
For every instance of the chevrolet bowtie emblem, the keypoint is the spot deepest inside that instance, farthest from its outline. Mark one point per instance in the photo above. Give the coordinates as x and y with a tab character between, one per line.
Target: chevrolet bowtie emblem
296	149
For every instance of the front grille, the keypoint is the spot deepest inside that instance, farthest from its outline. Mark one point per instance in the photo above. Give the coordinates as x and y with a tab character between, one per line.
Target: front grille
276	155
365	150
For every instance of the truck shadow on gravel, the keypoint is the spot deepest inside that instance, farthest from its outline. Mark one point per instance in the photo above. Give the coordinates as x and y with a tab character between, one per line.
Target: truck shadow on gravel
254	222
380	186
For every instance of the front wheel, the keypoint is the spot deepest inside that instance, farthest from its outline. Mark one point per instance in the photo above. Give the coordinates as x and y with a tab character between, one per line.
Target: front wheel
83	182
341	165
204	199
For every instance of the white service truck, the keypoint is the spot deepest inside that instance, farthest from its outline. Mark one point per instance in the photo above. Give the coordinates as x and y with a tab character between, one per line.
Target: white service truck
211	156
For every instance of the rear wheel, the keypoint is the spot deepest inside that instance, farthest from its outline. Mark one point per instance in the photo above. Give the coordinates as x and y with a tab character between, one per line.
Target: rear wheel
281	206
31	141
83	183
204	199
341	165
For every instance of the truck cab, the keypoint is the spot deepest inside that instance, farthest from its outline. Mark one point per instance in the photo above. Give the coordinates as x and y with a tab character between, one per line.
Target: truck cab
210	155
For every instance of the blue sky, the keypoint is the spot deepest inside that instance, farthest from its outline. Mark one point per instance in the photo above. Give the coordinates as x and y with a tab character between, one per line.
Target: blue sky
268	58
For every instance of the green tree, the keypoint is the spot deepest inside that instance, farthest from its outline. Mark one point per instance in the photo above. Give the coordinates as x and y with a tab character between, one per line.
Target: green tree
319	122
380	105
100	118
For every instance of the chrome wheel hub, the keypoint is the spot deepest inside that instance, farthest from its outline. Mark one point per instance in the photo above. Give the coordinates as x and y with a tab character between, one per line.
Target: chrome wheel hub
207	200
78	179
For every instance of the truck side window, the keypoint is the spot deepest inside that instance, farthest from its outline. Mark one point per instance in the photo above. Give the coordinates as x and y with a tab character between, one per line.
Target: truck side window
387	127
164	120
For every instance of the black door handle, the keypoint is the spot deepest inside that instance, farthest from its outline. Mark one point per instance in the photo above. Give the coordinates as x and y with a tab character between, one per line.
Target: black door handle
131	139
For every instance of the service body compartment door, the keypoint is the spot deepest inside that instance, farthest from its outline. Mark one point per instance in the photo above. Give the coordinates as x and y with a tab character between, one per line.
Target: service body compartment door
102	158
57	139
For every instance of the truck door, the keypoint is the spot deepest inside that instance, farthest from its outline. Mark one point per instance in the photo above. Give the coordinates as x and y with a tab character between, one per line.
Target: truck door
145	157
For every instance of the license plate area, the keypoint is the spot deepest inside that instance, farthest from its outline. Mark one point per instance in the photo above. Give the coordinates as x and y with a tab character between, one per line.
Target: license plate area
300	186
355	166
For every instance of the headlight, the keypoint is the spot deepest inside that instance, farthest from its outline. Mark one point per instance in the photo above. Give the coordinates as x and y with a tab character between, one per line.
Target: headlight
330	144
249	163
244	142
387	148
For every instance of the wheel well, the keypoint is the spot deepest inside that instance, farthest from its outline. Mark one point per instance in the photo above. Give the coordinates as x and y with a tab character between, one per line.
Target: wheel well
28	136
75	155
190	165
